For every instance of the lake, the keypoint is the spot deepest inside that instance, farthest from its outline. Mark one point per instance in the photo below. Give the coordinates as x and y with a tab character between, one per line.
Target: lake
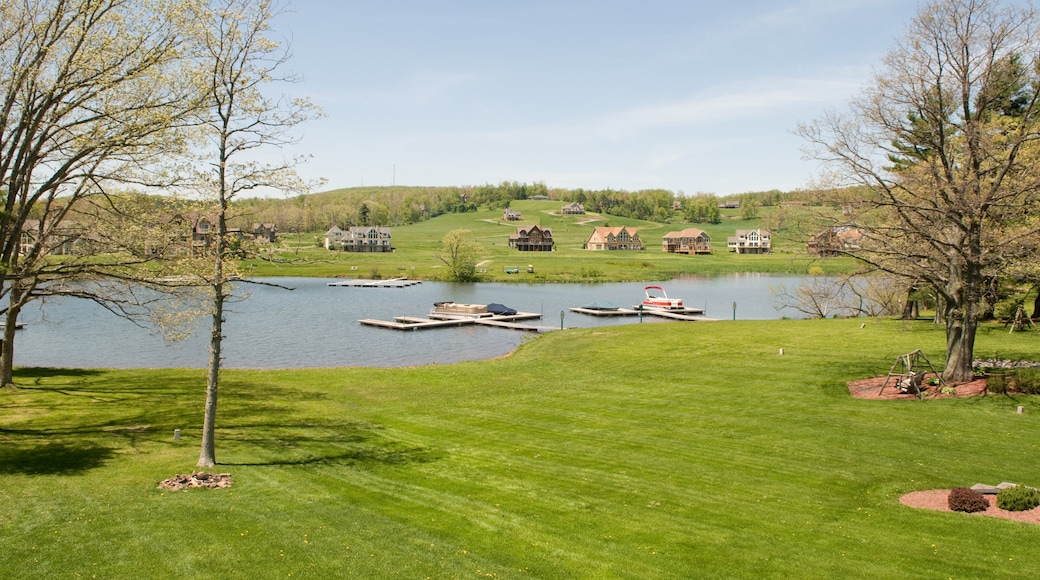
316	325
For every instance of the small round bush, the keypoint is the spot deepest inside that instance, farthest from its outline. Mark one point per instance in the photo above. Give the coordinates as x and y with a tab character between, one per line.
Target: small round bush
1018	499
965	499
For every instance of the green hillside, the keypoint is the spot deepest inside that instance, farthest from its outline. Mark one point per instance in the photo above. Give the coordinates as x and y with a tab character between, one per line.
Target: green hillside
418	245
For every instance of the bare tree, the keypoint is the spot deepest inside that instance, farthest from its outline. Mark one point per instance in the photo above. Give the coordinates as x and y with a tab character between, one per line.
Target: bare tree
945	139
91	92
238	60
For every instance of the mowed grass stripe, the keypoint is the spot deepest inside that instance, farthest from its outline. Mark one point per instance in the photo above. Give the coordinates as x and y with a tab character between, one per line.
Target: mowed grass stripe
640	451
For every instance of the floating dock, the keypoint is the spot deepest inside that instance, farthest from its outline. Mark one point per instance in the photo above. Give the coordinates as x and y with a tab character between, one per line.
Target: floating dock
390	283
443	320
688	314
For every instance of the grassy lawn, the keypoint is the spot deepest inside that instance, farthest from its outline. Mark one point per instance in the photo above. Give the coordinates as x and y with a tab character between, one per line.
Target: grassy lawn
666	450
417	245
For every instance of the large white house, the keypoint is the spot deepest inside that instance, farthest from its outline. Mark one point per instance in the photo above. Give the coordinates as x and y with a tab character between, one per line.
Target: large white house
359	239
749	242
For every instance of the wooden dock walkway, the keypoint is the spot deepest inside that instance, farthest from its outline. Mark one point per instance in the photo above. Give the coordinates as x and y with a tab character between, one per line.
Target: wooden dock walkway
444	320
686	314
389	283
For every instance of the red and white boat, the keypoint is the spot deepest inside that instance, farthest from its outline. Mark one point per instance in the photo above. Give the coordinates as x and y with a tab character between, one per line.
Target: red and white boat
656	297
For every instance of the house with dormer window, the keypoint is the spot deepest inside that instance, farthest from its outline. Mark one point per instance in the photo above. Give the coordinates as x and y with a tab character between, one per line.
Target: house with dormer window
532	239
359	239
688	241
749	242
608	238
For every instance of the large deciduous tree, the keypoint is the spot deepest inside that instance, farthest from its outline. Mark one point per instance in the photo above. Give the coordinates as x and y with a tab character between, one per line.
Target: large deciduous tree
238	60
945	137
90	94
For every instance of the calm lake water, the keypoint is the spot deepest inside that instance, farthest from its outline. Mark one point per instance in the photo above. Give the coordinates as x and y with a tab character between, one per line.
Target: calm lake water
316	325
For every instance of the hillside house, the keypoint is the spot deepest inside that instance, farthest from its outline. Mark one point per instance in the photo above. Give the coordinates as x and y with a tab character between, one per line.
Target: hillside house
65	240
574	209
264	233
532	239
688	241
334	238
511	215
359	239
729	204
833	241
620	238
749	242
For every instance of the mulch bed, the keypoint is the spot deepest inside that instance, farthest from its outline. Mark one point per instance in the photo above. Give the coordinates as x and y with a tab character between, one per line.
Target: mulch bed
936	499
196	480
871	389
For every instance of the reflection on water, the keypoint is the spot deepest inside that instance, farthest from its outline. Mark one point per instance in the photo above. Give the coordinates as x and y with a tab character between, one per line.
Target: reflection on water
316	325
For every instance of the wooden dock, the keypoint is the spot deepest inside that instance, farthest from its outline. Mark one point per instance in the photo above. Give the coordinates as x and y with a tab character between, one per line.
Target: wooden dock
445	320
687	314
389	283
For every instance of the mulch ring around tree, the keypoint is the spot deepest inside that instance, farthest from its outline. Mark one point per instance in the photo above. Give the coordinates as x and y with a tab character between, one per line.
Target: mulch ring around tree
871	389
196	480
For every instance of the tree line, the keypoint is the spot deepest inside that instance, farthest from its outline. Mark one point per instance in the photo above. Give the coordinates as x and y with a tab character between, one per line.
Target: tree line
402	205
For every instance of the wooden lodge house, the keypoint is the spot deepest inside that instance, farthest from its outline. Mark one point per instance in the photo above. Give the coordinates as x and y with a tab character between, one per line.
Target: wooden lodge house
688	241
834	241
532	239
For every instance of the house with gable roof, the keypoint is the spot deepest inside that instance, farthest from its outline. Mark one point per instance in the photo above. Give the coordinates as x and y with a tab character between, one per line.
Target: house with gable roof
619	238
532	239
750	242
688	241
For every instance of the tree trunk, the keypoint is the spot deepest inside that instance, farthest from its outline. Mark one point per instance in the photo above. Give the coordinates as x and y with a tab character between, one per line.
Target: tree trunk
14	308
961	326
910	306
7	347
1036	303
207	455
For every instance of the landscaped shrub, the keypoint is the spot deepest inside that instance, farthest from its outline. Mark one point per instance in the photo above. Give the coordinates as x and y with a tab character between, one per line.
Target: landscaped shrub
965	499
1025	381
1018	499
999	383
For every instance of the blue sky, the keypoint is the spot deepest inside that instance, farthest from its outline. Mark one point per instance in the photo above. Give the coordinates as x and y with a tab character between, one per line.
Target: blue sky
688	96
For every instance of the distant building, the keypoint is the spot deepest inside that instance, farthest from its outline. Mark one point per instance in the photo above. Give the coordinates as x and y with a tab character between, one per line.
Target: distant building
730	204
833	241
511	215
359	239
749	242
607	238
532	239
688	241
574	209
264	232
334	238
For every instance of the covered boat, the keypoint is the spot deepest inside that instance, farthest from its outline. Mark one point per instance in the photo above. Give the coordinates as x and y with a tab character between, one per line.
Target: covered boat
495	308
656	297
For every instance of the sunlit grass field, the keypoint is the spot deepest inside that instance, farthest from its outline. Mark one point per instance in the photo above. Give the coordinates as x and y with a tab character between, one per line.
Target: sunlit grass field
669	450
417	247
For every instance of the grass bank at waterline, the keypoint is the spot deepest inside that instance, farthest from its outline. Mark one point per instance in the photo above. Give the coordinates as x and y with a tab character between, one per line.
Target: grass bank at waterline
636	451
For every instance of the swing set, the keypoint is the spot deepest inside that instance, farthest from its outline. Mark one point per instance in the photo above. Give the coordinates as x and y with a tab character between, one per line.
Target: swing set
908	373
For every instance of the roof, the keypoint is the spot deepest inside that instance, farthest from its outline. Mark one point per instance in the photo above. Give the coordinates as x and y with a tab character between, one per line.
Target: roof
687	233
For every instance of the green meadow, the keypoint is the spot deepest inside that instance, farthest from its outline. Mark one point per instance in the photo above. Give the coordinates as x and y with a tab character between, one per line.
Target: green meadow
418	245
666	450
